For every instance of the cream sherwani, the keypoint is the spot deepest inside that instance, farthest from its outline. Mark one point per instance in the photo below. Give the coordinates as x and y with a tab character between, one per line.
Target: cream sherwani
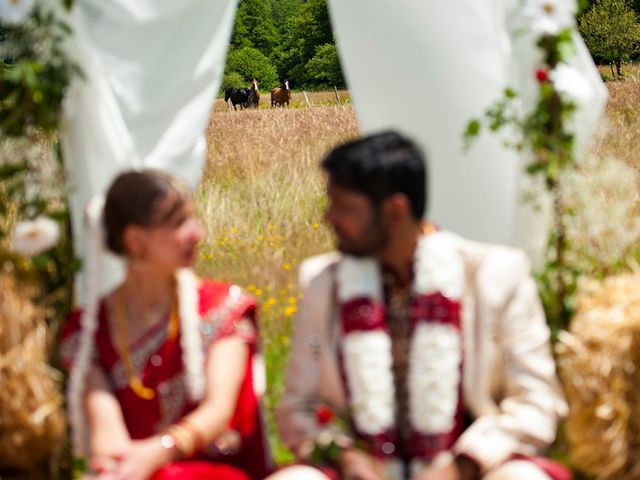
509	381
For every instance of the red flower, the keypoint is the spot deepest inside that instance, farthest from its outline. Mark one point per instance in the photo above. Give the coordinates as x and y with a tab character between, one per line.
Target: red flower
542	75
324	415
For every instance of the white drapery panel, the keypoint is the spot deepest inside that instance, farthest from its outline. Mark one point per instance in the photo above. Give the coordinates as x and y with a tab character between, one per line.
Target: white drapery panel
425	68
152	69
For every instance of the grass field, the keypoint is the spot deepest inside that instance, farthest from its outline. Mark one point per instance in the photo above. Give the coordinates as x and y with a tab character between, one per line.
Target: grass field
262	197
261	202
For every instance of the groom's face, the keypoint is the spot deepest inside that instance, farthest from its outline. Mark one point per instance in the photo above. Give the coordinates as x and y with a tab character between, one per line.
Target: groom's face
357	224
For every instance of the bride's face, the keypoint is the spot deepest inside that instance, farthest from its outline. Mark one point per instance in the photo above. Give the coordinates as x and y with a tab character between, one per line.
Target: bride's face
168	246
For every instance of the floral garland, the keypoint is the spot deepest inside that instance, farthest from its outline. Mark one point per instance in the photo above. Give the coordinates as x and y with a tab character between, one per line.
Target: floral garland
435	355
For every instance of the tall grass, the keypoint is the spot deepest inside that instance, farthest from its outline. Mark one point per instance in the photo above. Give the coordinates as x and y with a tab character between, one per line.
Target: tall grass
261	202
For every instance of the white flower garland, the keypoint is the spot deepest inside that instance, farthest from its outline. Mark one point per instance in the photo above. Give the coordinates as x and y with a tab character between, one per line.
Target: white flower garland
89	325
192	355
435	350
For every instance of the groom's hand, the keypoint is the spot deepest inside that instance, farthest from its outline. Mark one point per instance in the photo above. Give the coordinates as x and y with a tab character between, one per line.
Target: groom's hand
357	465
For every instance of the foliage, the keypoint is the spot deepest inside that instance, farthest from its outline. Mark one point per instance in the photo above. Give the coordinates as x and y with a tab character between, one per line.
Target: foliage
289	33
254	26
250	63
231	80
324	68
34	74
611	30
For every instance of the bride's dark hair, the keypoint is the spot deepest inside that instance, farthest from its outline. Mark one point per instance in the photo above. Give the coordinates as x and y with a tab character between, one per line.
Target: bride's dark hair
146	198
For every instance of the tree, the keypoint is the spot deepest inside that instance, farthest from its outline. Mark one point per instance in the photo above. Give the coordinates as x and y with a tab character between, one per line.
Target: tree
324	68
254	27
308	30
231	80
611	31
251	63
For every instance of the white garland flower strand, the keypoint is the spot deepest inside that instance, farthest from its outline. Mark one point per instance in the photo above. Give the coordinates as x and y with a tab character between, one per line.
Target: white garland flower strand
435	350
359	277
192	355
438	267
434	377
367	361
89	325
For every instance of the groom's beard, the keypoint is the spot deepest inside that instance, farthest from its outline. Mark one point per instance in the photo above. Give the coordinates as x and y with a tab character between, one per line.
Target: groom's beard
373	238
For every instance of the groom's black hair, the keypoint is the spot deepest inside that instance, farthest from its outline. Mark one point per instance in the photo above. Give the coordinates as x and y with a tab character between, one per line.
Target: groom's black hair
380	165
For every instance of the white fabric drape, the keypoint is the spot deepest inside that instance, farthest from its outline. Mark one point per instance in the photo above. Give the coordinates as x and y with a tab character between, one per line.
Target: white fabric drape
425	68
152	69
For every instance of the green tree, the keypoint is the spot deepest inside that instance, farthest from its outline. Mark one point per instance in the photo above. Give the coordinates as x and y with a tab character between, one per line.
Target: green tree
324	68
231	79
250	63
283	11
254	27
305	32
611	31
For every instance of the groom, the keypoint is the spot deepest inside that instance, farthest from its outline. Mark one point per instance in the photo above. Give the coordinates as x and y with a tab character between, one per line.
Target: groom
435	346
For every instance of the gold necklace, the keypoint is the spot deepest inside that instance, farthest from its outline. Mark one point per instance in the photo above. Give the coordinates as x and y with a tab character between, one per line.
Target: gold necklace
134	380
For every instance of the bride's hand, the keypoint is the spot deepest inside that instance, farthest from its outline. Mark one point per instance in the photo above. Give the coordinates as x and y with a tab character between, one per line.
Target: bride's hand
143	458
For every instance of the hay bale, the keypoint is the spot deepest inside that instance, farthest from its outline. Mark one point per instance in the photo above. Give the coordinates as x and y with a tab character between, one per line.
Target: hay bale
32	424
598	363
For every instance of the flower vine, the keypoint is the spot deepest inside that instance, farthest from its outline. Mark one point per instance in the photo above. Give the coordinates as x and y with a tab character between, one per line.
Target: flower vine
546	132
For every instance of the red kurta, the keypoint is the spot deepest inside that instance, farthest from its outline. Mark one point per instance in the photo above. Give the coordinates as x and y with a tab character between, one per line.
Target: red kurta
157	361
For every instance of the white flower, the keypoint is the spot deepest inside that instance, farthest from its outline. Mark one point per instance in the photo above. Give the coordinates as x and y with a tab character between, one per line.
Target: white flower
434	377
546	17
569	81
13	12
367	361
438	267
33	237
359	277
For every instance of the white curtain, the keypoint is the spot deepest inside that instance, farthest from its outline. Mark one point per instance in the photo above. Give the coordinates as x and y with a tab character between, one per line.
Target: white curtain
152	69
425	68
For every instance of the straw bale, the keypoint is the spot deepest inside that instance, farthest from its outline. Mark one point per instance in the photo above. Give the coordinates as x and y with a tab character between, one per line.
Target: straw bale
598	363
32	424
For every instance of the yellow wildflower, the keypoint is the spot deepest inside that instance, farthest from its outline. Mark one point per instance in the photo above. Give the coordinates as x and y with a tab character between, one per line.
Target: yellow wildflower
286	266
290	310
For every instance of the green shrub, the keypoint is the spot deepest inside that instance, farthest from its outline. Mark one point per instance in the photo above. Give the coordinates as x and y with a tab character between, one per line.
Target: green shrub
250	63
231	80
323	69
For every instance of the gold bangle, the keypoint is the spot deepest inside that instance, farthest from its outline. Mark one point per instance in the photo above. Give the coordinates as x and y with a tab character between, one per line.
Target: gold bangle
184	442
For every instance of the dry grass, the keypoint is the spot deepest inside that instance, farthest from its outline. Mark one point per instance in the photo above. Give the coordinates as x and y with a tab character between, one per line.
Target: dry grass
619	136
261	203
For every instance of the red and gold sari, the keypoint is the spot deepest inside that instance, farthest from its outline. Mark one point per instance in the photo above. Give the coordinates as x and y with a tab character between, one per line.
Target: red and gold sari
241	452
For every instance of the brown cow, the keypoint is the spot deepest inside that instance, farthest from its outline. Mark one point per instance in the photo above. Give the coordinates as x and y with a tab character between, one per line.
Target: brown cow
281	95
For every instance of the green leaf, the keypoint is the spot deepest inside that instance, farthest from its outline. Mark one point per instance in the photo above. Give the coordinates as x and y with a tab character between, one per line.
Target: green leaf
510	93
473	128
12	169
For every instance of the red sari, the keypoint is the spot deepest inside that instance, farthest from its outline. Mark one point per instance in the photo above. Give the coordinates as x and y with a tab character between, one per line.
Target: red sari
158	362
